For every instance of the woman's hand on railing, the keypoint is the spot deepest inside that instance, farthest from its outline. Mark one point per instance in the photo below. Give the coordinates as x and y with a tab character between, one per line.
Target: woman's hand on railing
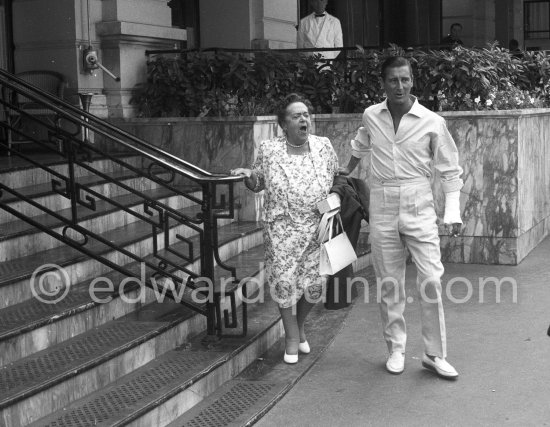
241	171
251	180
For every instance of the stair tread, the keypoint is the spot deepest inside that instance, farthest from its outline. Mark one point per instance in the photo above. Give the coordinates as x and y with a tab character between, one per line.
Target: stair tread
19	227
169	374
71	357
241	400
16	163
244	399
39	190
33	313
22	267
68	358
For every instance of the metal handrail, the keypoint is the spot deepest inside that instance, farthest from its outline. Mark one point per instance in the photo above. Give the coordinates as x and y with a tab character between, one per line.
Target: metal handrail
62	107
171	259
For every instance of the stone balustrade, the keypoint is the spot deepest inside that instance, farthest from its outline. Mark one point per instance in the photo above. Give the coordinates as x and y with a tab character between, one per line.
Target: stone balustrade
505	156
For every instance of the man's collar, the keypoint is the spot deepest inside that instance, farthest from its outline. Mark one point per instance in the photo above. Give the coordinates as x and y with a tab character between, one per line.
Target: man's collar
320	15
416	108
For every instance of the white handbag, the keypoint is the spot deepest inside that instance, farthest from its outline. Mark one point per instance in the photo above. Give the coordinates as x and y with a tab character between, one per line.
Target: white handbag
337	251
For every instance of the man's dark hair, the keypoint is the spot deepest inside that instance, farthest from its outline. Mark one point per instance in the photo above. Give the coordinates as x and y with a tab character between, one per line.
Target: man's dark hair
394	62
291	99
456	24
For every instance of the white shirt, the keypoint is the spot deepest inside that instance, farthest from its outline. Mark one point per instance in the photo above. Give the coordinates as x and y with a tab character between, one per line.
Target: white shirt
320	32
422	139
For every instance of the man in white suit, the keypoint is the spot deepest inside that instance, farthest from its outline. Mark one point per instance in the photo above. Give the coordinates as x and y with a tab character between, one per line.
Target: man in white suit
320	29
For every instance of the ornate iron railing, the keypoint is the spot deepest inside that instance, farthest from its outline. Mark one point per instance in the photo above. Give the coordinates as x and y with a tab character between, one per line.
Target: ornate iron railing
183	224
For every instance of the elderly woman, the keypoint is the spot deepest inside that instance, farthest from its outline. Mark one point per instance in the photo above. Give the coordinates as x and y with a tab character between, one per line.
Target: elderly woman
296	170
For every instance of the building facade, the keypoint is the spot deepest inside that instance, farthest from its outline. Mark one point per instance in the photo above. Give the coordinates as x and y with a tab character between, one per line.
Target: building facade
58	35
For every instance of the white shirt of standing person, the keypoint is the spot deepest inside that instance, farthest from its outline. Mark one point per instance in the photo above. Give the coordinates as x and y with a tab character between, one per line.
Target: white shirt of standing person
324	31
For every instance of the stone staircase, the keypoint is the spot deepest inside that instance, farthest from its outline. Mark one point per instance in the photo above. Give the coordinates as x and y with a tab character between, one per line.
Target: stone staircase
82	345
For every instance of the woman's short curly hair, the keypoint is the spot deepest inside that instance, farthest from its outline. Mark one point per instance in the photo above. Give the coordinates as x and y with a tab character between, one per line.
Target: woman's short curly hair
291	99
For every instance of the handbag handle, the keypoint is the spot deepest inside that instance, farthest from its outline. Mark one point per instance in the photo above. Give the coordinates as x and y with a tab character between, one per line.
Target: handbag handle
328	225
326	221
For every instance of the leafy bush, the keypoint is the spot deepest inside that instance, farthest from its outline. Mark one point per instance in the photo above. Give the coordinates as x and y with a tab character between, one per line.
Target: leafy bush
478	79
201	84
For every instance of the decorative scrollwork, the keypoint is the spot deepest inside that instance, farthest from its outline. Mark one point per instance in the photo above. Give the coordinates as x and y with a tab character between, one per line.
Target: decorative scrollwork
151	204
90	201
58	188
158	174
68	230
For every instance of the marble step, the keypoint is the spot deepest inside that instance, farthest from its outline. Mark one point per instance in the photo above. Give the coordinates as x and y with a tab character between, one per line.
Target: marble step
44	195
39	322
148	348
19	238
135	237
18	173
15	273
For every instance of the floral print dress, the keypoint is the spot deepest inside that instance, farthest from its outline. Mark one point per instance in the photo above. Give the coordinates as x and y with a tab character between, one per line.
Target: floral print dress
294	184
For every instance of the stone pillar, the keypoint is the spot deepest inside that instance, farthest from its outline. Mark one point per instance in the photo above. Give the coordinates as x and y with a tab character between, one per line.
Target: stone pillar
128	28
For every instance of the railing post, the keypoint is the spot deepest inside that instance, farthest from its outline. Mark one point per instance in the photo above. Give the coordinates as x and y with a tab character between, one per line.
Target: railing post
85	100
207	253
72	190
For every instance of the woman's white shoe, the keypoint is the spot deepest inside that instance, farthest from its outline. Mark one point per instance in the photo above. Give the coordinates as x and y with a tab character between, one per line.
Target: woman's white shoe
291	358
303	347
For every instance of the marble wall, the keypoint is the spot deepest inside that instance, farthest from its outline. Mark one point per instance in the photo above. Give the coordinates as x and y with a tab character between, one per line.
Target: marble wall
505	155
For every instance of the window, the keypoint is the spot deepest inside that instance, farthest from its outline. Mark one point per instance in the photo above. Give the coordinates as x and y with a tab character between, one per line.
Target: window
537	19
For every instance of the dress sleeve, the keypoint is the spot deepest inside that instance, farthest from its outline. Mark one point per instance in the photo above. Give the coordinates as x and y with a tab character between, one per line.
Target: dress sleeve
332	161
258	168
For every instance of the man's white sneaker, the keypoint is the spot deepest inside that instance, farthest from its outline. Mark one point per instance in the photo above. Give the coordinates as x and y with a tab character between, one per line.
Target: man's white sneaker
396	363
440	366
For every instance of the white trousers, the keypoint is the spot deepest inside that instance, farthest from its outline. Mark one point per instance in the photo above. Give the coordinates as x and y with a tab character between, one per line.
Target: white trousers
403	215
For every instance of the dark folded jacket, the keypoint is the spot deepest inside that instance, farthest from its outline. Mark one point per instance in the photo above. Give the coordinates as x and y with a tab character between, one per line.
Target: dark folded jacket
354	196
354	207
